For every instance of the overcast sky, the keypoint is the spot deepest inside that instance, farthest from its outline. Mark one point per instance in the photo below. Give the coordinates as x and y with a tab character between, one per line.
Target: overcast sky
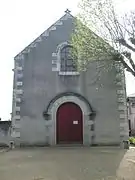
21	21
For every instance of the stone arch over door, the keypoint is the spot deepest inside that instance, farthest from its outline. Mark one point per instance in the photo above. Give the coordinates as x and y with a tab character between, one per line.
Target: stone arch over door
52	113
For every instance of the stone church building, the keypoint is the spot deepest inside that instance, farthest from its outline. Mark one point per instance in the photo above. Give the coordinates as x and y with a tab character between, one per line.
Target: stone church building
54	104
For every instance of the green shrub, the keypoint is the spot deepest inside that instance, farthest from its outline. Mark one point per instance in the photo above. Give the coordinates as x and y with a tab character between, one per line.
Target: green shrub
132	140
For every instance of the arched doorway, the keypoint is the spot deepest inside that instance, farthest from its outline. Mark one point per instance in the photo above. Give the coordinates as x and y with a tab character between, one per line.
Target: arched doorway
69	126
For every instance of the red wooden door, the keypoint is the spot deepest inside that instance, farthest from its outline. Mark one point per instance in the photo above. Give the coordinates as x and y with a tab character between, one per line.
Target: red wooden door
69	124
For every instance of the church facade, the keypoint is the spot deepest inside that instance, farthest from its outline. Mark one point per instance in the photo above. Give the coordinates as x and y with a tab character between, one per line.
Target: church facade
55	104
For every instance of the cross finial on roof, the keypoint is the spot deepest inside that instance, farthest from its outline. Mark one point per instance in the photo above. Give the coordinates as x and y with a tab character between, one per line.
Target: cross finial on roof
67	11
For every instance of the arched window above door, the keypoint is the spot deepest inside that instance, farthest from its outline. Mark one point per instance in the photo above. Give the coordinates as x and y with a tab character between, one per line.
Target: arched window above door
67	62
63	60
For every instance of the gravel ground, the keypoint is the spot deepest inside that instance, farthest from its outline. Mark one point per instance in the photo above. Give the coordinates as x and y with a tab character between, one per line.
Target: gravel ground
65	163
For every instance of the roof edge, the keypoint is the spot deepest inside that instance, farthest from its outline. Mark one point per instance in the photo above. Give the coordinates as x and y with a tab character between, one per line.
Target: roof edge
33	44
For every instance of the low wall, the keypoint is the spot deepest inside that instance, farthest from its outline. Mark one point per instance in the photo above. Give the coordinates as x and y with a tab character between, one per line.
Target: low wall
5	135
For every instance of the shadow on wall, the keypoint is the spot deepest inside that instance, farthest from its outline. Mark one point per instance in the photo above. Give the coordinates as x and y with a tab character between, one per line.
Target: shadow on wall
5	127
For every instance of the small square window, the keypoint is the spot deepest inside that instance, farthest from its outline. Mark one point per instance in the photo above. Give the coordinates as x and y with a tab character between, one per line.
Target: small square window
69	62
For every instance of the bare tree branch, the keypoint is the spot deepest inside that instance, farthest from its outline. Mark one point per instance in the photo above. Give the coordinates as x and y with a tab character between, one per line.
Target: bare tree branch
114	33
132	40
128	68
124	43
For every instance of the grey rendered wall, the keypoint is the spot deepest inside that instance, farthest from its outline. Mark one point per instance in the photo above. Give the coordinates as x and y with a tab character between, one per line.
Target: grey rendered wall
41	84
101	91
5	138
